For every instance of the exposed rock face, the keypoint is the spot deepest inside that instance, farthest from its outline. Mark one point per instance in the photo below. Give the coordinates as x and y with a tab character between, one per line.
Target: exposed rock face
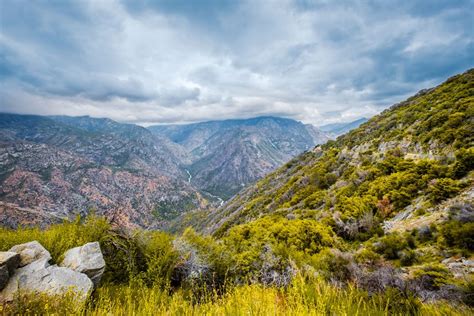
57	168
30	252
460	267
8	263
37	275
40	277
3	276
86	259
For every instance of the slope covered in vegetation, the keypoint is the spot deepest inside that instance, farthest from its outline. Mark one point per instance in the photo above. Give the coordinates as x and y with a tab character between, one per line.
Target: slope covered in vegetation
153	273
390	204
412	156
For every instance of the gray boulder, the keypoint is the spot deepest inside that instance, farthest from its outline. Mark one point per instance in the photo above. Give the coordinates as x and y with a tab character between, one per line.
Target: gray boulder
30	252
41	277
9	261
4	275
86	259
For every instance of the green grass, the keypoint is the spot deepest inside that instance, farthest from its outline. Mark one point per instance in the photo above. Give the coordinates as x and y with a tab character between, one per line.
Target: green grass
302	297
140	266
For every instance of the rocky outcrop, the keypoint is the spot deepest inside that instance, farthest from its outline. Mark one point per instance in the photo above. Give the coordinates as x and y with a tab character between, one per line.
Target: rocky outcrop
30	252
8	263
29	271
86	259
460	267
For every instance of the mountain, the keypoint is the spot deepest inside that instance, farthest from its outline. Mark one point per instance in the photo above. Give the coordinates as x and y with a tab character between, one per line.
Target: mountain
337	129
406	167
57	167
225	156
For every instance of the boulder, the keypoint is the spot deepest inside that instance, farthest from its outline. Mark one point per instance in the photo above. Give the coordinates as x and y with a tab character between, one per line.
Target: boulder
30	252
9	261
40	277
4	275
86	259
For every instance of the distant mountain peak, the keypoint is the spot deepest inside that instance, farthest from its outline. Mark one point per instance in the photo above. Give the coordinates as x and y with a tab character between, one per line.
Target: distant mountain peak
225	154
337	129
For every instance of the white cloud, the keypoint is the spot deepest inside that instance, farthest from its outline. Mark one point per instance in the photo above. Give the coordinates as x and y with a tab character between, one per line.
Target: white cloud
323	63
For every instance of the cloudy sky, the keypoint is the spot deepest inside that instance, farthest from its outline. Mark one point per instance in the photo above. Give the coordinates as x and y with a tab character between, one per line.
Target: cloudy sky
145	61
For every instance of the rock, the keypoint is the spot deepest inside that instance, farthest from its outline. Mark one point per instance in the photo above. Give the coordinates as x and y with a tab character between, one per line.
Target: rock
35	274
449	260
86	259
8	263
459	267
30	251
40	277
4	275
9	259
52	280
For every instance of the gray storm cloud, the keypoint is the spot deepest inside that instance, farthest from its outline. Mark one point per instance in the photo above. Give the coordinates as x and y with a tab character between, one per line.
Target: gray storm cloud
168	62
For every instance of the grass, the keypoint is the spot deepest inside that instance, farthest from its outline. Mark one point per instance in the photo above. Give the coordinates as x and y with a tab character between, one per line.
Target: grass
302	297
139	270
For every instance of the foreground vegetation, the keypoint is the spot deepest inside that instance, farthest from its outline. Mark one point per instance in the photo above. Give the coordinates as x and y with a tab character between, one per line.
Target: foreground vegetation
271	273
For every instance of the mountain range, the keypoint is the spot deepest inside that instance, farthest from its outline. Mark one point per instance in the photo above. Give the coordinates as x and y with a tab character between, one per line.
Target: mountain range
225	156
58	166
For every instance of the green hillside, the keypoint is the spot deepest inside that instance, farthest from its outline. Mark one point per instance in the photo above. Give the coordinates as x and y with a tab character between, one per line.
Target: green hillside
411	157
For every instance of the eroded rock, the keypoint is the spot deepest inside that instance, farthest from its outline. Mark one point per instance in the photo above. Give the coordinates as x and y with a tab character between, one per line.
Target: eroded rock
40	277
82	268
4	275
30	252
9	261
86	259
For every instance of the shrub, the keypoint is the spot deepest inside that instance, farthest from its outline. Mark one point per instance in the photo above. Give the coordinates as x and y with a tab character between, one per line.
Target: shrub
159	258
390	245
441	189
431	276
458	234
333	265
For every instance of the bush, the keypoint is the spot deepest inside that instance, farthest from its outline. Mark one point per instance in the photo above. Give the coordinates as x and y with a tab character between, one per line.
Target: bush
441	189
390	246
457	234
464	162
333	265
159	258
431	276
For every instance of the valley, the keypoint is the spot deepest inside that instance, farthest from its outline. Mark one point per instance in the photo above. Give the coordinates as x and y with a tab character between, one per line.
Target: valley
60	167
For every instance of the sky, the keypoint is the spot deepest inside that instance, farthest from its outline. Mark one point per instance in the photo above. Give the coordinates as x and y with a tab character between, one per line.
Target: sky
156	62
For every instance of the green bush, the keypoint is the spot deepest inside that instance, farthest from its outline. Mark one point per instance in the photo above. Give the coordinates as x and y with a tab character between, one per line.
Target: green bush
390	246
431	276
441	189
457	234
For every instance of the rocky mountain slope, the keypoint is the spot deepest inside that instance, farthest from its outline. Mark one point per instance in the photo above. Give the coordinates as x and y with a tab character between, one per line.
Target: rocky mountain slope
57	167
225	156
397	167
